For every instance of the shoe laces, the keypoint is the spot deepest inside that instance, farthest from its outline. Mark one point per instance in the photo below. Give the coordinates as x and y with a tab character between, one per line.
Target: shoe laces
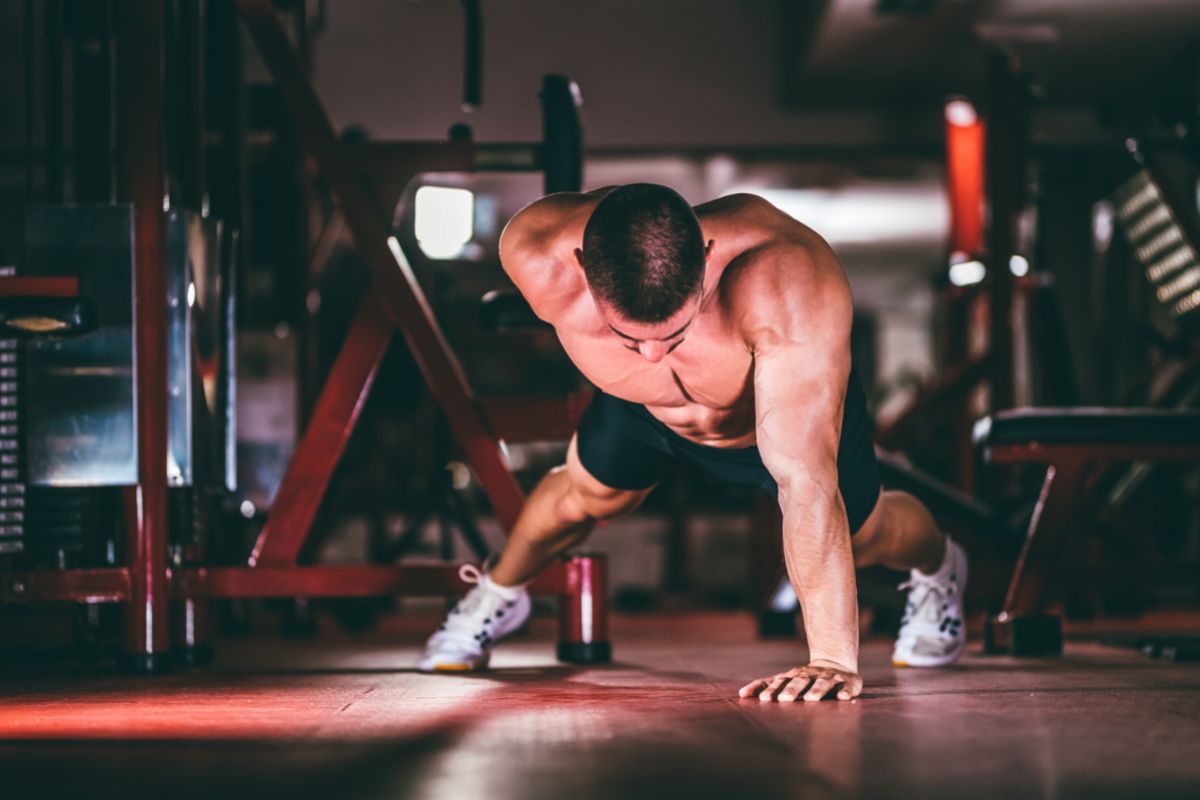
474	614
469	573
927	597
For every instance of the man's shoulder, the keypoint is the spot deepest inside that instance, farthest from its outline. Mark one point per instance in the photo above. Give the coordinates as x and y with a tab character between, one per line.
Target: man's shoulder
549	227
789	277
782	265
538	224
537	246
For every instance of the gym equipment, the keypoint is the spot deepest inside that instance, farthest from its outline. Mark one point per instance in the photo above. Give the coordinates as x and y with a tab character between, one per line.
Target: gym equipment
364	178
76	426
157	412
80	389
395	300
1072	443
1165	647
1164	237
979	346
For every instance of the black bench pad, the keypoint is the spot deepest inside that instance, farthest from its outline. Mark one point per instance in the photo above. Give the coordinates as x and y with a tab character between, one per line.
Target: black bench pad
1084	426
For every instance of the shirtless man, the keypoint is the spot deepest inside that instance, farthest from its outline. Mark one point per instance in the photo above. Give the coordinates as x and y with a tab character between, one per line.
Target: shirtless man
719	335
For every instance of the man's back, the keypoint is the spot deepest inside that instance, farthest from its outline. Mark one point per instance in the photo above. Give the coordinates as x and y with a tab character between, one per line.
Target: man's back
703	388
708	330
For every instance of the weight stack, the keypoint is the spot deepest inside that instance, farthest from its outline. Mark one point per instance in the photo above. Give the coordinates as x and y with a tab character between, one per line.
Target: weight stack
12	476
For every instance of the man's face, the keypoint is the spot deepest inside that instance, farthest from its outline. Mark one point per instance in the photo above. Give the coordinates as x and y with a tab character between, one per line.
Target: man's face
653	341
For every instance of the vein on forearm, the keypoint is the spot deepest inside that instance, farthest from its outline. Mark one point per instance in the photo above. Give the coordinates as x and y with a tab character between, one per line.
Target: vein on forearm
820	563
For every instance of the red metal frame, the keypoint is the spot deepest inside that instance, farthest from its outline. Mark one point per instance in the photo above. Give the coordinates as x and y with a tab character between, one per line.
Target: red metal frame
333	420
394	284
113	584
52	286
1037	453
396	302
410	578
141	99
533	419
1049	528
1068	467
109	585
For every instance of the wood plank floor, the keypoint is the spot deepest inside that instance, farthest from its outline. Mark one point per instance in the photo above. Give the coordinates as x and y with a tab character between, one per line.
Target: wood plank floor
347	718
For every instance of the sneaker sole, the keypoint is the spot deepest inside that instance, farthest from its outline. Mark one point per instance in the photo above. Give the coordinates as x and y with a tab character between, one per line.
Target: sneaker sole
460	666
456	668
921	663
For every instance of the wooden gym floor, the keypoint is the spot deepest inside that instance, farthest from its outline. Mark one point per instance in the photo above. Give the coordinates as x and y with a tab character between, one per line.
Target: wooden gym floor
338	717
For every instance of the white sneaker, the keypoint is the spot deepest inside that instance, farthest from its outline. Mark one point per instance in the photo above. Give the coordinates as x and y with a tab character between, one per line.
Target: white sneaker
487	614
932	632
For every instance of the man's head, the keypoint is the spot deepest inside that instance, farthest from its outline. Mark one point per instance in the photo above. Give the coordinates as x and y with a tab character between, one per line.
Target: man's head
644	255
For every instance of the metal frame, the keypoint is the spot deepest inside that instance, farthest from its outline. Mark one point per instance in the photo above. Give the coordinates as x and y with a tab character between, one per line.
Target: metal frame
146	585
985	164
39	286
1068	467
141	104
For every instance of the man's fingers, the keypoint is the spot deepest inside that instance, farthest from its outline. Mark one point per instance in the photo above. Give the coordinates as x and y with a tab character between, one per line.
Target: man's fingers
794	689
820	688
777	683
804	683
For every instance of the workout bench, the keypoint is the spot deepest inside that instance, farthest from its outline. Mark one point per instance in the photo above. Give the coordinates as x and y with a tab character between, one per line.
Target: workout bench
1072	443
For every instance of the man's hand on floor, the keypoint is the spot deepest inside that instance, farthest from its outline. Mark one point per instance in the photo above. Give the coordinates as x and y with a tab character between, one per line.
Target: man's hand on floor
812	682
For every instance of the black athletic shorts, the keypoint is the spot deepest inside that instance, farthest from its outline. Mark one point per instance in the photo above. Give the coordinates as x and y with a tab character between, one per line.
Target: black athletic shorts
624	446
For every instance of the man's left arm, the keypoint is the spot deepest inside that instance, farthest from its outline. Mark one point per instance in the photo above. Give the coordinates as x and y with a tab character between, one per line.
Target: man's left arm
800	333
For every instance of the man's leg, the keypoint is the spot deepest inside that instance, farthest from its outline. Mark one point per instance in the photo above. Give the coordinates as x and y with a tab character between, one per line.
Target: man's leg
899	534
559	513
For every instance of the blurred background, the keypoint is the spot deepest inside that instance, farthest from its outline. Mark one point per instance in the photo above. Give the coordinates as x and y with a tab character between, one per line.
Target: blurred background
864	119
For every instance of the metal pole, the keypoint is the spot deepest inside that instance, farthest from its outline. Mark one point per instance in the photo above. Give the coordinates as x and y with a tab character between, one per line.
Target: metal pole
1006	138
53	109
140	133
472	55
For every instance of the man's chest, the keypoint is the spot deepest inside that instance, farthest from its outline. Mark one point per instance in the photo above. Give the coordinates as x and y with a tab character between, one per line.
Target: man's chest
706	370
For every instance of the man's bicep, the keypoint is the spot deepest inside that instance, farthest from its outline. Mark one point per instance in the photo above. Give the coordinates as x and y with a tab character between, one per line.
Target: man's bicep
798	403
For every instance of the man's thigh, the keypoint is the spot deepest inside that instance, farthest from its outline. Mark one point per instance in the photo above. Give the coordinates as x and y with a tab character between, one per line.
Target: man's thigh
615	448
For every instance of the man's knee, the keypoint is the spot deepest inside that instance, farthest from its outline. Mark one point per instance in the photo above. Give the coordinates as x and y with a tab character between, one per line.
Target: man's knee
896	518
590	499
597	503
868	542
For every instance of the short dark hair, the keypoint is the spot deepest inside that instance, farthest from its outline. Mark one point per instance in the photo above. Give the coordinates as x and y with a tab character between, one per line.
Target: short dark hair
643	251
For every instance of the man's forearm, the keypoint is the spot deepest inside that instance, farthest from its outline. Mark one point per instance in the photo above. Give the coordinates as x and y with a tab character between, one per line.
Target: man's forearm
820	563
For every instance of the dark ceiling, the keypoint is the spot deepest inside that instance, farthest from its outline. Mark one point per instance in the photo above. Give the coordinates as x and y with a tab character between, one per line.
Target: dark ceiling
848	53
